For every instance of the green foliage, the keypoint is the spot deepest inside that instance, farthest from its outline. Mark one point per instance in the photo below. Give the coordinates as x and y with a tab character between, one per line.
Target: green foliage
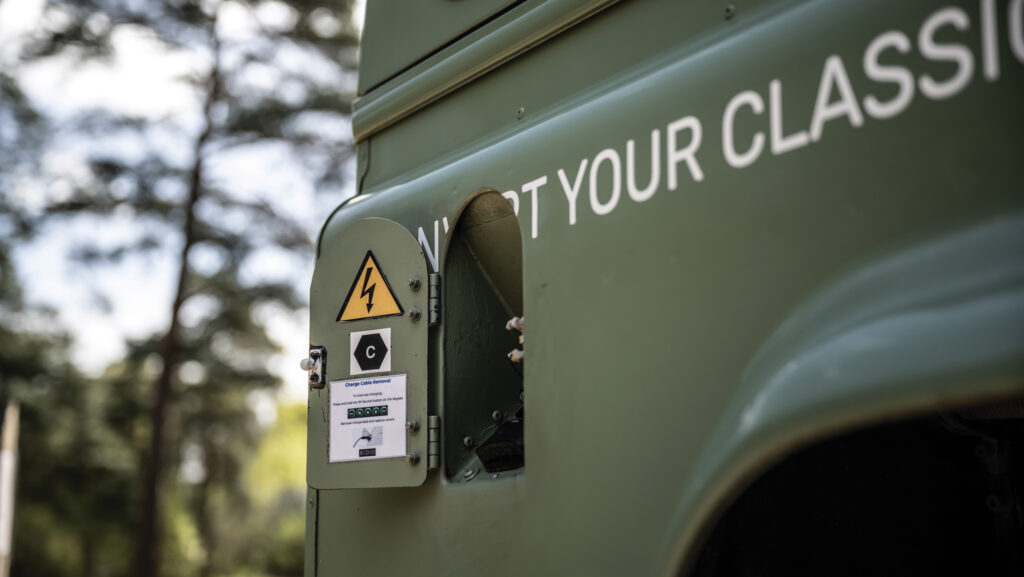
272	536
186	553
277	467
77	471
23	132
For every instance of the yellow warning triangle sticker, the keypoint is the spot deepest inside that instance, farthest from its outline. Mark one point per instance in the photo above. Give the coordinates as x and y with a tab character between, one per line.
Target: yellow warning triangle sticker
371	296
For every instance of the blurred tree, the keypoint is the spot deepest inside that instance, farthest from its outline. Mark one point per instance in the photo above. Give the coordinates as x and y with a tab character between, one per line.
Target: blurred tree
76	465
23	133
277	83
33	361
277	476
72	517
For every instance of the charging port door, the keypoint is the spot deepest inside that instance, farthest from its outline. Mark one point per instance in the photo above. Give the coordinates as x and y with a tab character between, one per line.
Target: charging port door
367	420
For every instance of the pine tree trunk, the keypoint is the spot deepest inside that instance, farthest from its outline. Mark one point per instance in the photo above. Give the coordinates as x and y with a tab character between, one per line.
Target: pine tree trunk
148	548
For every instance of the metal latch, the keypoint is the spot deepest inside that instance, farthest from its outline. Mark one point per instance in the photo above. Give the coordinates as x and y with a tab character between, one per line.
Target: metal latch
434	299
433	442
316	366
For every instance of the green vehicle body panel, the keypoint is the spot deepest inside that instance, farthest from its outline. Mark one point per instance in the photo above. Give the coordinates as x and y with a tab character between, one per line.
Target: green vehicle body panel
871	274
412	30
486	48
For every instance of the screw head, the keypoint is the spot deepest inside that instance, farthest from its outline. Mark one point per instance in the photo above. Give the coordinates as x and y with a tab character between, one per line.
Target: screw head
730	11
414	314
496	416
414	458
467	441
415	283
520	112
413	426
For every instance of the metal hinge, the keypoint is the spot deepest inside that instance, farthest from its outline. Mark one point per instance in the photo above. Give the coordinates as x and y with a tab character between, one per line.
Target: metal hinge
434	299
433	442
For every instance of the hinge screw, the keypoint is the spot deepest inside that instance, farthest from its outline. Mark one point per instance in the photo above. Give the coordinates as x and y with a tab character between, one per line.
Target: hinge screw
414	314
414	283
413	426
414	458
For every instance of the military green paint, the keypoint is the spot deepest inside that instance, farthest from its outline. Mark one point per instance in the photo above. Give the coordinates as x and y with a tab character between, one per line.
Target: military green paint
947	311
737	258
309	566
393	245
488	47
397	34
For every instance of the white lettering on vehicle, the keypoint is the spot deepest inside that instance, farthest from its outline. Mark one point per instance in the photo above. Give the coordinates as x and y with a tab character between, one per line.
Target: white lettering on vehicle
836	98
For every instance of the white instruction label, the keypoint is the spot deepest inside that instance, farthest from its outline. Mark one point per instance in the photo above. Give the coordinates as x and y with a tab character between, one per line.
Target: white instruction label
367	419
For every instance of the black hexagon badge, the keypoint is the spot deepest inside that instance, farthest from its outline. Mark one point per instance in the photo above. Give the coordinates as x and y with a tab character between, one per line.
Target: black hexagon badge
370	352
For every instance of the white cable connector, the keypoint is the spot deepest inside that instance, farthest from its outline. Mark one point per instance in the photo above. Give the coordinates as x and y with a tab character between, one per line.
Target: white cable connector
516	323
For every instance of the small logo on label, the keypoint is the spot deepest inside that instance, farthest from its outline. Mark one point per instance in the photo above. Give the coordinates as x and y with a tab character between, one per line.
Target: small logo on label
367	452
370	351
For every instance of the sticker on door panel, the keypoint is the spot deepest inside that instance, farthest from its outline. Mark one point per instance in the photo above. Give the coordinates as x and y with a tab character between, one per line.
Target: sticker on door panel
367	419
370	296
369	352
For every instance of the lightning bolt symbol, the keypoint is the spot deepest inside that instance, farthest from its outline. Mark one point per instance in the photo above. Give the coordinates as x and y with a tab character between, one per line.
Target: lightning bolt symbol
368	291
